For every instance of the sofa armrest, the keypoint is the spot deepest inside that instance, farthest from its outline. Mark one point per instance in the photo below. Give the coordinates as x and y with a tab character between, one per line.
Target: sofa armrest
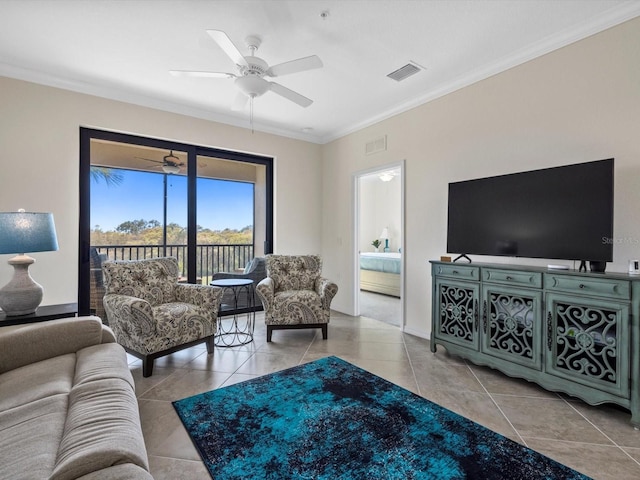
201	295
40	341
122	471
107	335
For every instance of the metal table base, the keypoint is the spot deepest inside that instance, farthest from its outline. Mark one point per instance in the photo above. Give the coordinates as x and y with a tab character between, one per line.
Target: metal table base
234	328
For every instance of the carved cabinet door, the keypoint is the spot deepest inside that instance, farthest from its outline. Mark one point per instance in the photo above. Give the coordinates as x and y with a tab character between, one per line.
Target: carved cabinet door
511	324
587	341
457	315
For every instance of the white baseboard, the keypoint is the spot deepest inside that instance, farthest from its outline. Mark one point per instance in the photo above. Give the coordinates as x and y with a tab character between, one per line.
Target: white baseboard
416	332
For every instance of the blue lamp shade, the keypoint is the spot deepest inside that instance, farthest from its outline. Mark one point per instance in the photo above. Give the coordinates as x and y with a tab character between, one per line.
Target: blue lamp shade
27	232
24	232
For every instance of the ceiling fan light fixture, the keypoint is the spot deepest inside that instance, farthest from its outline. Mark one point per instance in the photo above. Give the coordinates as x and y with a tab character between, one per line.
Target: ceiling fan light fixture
167	168
252	85
388	175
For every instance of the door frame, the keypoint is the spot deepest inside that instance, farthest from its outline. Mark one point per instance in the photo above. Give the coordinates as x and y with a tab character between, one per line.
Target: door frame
357	176
84	222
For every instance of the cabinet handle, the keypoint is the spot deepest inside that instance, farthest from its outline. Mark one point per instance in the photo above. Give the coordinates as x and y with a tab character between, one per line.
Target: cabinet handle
582	285
455	272
484	317
475	315
549	331
509	277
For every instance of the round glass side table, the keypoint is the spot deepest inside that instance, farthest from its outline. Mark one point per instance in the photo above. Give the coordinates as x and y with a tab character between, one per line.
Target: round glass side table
235	326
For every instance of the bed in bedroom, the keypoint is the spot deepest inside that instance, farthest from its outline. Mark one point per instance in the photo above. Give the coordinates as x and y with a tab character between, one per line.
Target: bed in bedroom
380	272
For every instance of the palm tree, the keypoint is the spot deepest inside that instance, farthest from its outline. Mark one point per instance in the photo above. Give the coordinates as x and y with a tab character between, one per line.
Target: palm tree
110	177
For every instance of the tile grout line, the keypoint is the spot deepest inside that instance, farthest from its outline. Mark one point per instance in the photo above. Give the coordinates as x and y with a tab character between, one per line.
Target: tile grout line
413	370
598	429
156	385
498	407
176	458
309	347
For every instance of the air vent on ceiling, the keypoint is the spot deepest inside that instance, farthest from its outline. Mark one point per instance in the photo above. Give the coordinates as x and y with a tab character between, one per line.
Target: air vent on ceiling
404	72
375	146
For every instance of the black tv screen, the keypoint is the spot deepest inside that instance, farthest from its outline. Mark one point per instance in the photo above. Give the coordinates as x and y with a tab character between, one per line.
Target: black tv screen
557	213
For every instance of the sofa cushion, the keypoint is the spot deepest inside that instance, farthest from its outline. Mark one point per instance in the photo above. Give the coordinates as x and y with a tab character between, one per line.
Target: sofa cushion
29	436
36	381
102	429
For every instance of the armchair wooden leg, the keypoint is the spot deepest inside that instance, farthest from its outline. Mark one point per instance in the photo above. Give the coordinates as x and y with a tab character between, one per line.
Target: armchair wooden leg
210	344
269	332
324	331
147	366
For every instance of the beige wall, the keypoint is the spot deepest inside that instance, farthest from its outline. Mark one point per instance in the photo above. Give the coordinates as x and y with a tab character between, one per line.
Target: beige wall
577	104
39	144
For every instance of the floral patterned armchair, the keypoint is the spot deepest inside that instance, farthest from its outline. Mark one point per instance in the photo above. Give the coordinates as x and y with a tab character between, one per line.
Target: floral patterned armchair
153	315
294	294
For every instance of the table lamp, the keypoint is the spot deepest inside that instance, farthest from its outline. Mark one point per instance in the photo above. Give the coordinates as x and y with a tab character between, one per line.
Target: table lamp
22	232
385	236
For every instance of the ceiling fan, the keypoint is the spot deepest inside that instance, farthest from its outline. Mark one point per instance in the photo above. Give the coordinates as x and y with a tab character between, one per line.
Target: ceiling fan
252	70
170	163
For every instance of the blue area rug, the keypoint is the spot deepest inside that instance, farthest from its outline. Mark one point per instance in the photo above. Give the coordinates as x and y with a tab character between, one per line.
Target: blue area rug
329	419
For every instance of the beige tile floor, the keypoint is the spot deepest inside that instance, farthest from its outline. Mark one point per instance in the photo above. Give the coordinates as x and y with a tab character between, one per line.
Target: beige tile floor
597	441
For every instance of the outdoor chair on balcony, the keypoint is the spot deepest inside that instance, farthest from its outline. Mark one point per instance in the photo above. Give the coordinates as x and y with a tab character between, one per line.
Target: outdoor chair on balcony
294	294
153	315
255	270
97	284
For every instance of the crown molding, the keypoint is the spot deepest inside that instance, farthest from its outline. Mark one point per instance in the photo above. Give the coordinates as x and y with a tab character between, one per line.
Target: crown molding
615	16
134	98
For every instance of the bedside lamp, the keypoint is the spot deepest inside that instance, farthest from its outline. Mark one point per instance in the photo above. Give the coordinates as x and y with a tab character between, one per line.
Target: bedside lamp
385	236
22	232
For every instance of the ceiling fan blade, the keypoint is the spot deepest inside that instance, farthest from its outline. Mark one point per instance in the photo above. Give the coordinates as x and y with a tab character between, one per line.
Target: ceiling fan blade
186	73
290	94
150	160
240	102
228	47
295	66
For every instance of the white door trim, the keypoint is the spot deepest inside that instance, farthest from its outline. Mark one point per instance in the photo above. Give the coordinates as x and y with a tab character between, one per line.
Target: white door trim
356	229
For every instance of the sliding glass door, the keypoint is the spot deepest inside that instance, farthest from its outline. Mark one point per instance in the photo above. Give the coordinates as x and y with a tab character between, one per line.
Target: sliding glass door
144	198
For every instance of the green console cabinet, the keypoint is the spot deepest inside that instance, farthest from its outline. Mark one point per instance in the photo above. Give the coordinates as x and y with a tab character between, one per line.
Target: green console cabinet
571	332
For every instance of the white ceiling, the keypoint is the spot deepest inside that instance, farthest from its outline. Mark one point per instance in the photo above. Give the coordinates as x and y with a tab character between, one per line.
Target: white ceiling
123	49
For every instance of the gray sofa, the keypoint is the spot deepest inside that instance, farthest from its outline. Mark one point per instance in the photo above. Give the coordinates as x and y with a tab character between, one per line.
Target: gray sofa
68	408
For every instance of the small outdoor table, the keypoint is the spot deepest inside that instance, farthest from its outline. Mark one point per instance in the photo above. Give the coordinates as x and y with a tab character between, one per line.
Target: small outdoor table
233	328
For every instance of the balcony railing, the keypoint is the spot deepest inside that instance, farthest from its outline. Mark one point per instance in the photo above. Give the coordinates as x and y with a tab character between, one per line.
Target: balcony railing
210	259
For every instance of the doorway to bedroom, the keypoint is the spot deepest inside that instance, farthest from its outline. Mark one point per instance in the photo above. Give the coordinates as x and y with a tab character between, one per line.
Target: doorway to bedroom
379	243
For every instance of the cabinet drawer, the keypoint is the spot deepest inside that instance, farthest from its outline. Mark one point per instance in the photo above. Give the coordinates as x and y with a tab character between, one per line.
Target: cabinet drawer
512	277
588	286
458	271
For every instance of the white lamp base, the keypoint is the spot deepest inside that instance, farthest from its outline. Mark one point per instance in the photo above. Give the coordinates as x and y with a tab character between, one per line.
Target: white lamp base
21	295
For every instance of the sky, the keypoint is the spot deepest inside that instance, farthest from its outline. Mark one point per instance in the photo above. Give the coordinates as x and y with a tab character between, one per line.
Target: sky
221	204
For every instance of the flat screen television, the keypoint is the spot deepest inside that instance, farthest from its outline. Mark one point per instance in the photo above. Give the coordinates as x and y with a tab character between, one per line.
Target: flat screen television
556	213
